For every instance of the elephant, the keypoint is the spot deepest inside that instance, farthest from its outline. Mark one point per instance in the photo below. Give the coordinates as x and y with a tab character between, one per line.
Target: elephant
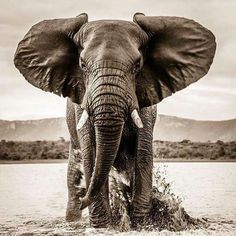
113	73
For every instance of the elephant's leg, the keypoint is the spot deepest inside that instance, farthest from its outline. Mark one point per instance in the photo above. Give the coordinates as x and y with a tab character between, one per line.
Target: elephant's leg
99	210
142	181
74	171
75	190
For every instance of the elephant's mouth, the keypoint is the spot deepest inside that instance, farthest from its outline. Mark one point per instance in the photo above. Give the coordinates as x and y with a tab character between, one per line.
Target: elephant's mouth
109	101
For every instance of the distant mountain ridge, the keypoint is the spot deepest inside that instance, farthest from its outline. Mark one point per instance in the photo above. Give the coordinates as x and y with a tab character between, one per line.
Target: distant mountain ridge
32	130
171	128
167	128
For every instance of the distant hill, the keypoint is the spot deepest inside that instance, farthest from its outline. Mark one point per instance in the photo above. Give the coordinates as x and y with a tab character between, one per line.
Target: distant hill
171	128
167	128
32	130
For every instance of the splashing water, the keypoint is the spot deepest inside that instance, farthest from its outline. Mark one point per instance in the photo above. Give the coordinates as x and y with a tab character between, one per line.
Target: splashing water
166	211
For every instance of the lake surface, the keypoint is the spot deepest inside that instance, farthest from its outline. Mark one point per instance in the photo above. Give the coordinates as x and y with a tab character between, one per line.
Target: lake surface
34	192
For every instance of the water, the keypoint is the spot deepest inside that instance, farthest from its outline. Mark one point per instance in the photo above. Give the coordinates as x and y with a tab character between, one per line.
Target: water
37	193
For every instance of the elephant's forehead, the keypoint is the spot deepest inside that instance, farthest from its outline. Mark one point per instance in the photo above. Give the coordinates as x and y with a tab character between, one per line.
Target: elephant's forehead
114	29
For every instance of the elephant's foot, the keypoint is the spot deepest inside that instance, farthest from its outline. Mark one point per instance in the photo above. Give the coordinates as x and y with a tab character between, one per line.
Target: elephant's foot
100	214
101	223
140	221
140	216
73	213
101	220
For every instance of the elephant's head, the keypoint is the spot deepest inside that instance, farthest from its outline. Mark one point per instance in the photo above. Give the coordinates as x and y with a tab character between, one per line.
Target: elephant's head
113	69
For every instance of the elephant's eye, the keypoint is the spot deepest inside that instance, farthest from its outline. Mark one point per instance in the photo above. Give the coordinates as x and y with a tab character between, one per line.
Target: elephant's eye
82	64
136	66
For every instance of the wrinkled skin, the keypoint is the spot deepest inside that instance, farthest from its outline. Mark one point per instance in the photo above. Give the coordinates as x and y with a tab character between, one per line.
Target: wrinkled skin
134	156
111	70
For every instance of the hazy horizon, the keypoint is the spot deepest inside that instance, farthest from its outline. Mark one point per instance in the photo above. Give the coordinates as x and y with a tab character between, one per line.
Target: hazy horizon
36	117
212	98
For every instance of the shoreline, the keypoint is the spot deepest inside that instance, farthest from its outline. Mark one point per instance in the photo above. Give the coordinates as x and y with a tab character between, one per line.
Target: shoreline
55	161
38	161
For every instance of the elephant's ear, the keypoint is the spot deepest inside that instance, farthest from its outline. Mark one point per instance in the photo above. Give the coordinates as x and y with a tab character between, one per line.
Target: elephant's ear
48	58
179	52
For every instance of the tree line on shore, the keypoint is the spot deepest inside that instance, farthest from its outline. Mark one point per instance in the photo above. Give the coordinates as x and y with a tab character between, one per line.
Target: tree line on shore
163	150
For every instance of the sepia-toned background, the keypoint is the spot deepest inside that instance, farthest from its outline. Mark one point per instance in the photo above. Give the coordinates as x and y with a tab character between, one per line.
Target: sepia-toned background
212	98
194	136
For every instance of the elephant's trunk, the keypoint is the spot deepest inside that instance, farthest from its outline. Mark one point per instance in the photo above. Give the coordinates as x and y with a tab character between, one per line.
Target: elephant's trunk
108	108
107	143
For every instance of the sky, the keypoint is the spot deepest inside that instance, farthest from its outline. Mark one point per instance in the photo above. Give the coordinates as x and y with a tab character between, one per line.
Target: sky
211	98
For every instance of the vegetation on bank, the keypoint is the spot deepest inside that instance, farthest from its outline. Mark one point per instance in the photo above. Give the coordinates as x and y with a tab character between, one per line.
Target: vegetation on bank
163	150
34	150
195	151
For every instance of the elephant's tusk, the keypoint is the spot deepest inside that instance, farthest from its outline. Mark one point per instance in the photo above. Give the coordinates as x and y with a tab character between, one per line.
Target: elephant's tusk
136	118
82	120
